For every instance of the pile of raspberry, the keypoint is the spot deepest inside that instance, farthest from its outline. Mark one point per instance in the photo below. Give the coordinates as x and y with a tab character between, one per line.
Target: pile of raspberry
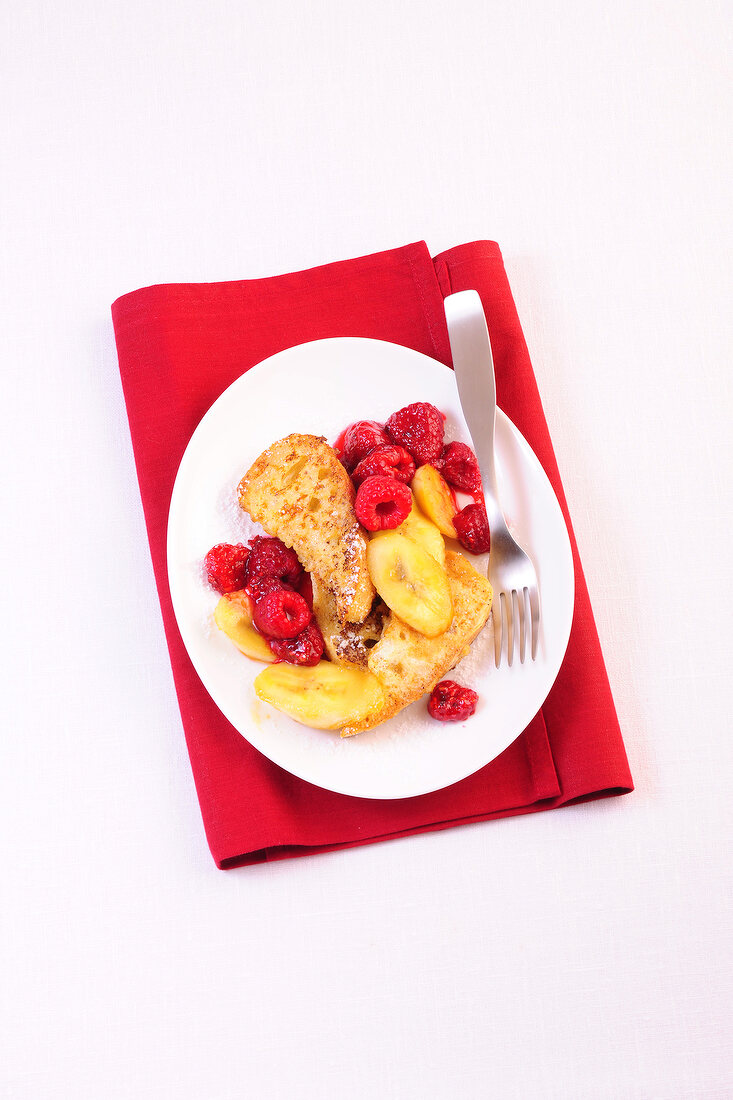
382	459
280	590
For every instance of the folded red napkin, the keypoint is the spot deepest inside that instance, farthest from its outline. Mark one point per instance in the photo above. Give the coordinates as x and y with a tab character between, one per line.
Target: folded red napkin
179	347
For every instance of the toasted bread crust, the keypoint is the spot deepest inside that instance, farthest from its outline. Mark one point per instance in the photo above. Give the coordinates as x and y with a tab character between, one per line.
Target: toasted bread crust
407	664
300	493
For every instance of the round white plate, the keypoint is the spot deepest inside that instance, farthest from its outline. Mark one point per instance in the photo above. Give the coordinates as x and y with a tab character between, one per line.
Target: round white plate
319	388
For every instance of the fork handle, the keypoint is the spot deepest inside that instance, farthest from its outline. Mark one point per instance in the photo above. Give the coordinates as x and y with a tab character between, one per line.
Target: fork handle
473	364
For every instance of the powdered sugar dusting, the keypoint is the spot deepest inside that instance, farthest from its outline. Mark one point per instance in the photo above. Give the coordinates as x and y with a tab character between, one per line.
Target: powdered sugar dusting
473	667
237	524
353	544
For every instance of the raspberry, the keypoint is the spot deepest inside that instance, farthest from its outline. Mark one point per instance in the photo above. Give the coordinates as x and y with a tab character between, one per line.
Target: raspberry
387	459
304	587
257	587
225	566
361	438
382	503
272	558
281	613
418	428
450	702
459	467
472	528
305	648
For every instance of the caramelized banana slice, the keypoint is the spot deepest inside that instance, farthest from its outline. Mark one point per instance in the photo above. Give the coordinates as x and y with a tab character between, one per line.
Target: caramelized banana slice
411	582
233	615
435	498
326	696
422	531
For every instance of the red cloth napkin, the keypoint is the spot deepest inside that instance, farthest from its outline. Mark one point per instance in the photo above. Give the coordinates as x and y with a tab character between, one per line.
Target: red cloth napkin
180	346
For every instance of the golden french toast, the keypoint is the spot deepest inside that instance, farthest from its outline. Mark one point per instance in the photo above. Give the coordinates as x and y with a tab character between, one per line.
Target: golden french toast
346	643
300	492
407	664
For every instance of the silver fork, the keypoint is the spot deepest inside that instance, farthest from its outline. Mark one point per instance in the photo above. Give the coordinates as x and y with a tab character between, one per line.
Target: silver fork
511	571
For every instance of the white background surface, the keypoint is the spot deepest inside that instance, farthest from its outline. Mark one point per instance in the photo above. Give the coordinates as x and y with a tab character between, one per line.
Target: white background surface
581	953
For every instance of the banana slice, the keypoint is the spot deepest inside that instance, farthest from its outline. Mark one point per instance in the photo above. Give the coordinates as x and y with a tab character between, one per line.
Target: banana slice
326	696
435	498
233	615
411	582
424	532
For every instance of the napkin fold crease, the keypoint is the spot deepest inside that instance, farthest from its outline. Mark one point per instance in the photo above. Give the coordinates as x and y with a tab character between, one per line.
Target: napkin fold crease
180	346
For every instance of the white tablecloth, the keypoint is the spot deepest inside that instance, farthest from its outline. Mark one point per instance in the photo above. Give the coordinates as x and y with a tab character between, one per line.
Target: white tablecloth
584	953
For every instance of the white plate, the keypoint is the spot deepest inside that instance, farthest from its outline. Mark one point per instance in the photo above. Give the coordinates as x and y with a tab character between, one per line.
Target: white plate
319	388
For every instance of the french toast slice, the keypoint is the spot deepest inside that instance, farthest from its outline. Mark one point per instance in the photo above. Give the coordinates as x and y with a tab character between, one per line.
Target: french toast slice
407	664
346	643
300	493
